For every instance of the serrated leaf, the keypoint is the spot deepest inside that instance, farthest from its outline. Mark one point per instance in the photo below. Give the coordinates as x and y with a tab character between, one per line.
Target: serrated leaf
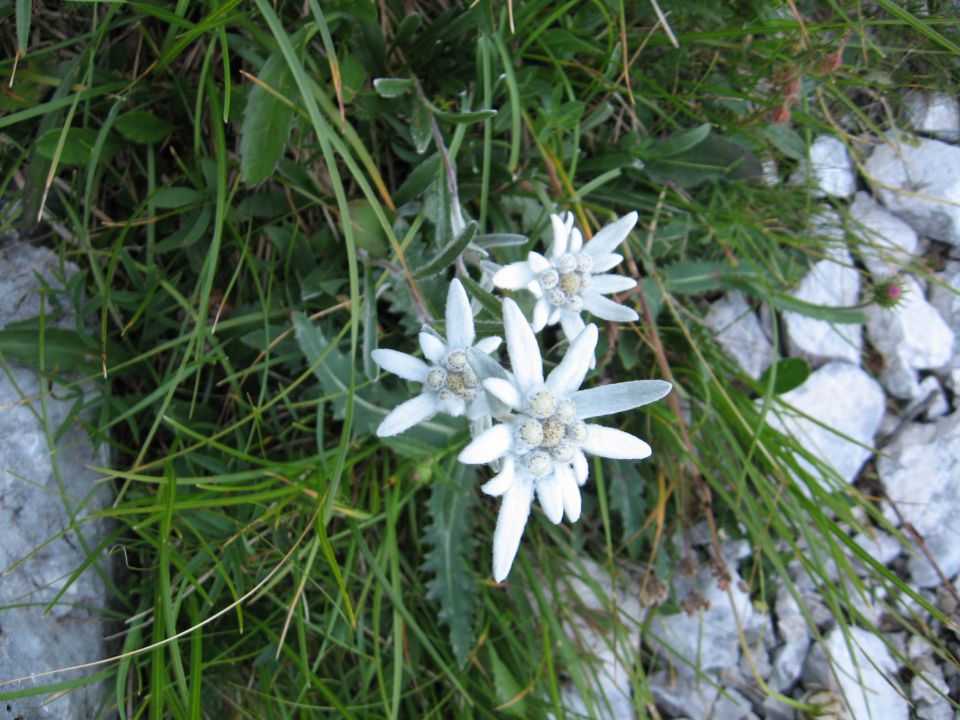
77	148
420	127
450	556
142	127
392	87
450	252
627	496
332	368
790	373
266	120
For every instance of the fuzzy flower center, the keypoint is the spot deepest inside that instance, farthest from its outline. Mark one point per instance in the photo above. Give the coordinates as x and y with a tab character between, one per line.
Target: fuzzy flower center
549	433
455	379
566	279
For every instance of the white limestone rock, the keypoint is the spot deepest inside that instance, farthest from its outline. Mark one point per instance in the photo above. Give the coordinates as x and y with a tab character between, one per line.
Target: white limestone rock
611	648
795	636
861	675
919	180
927	691
920	472
911	336
697	697
832	282
839	396
738	332
34	509
933	113
707	640
828	168
887	242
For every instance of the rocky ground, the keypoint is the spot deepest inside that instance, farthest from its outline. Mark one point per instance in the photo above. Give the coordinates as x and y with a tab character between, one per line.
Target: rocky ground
44	498
903	208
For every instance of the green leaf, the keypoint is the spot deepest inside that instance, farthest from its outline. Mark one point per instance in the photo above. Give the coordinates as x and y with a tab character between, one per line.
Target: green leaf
500	240
266	120
715	158
450	252
790	373
786	140
142	127
370	368
77	149
418	180
695	276
464	118
24	11
62	350
839	315
420	127
450	555
176	197
392	87
627	496
680	142
489	301
510	693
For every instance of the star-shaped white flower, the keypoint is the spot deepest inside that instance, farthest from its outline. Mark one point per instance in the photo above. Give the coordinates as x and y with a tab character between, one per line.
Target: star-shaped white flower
451	383
569	279
543	444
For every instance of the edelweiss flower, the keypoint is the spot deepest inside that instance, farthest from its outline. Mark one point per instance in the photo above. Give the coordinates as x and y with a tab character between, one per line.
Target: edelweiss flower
543	444
450	382
567	280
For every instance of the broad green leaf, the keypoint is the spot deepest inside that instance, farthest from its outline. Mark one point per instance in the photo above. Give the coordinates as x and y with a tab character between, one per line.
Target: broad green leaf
450	252
392	87
715	158
77	149
420	127
266	120
176	197
450	555
680	142
142	126
790	373
786	140
63	350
